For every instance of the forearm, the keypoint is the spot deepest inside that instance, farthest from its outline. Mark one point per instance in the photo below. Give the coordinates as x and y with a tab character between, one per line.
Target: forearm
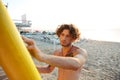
43	69
62	62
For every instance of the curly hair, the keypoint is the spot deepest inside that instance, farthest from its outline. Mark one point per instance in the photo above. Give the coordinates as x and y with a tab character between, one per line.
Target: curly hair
73	30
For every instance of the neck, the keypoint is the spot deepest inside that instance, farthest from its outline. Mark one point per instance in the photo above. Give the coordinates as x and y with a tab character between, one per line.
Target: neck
65	50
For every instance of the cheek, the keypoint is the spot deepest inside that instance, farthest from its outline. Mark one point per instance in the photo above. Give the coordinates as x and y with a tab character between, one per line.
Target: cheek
69	40
61	37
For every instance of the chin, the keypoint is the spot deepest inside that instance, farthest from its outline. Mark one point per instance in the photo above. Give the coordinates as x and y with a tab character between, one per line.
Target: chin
65	45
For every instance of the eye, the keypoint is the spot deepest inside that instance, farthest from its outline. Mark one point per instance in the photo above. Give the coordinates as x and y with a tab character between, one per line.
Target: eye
62	34
68	36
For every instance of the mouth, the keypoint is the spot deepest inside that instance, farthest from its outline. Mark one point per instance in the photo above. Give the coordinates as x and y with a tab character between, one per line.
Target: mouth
63	42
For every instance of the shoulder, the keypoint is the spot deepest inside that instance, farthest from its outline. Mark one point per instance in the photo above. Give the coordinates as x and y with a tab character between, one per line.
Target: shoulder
80	52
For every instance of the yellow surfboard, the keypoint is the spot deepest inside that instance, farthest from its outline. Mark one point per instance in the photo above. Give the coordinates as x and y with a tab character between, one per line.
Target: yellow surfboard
14	57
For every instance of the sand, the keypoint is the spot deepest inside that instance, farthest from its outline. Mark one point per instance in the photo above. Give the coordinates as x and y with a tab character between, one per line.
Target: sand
103	61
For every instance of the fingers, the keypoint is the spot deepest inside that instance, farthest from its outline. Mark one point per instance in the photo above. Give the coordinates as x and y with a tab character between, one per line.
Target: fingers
27	40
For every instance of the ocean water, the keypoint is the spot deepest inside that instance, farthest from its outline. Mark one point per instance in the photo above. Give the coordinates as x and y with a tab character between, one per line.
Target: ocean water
112	35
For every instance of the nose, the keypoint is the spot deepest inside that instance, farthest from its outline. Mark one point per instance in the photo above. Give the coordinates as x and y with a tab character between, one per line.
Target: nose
64	38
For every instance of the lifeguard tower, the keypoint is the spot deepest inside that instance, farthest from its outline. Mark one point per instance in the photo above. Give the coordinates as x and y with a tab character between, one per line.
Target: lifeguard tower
23	25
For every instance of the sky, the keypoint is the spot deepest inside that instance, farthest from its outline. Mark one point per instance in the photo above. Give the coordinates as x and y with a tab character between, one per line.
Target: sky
98	17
